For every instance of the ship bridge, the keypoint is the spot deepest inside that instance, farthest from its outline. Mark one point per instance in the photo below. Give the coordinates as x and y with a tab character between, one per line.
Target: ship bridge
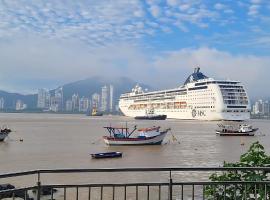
195	76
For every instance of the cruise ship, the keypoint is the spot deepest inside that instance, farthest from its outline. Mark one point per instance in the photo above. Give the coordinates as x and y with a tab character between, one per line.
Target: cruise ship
200	98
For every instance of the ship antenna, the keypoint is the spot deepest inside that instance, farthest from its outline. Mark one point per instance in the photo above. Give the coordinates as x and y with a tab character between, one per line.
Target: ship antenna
197	69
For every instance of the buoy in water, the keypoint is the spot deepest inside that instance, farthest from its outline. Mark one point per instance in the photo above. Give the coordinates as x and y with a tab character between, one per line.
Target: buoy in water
21	140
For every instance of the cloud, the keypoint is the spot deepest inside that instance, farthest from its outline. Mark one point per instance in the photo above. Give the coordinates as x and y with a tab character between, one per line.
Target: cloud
219	6
218	64
98	22
253	10
155	11
52	63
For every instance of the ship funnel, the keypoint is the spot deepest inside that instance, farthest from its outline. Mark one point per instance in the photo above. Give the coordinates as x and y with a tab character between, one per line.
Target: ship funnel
196	69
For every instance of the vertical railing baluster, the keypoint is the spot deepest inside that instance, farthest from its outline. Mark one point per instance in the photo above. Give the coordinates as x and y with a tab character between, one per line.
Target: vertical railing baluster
203	191
65	193
137	192
245	191
255	191
113	193
77	193
224	197
265	191
101	192
170	186
51	193
234	191
89	193
38	188
13	195
192	191
159	192
25	194
125	192
148	192
182	194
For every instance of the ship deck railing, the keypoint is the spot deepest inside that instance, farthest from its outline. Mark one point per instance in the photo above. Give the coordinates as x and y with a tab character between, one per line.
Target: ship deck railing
177	183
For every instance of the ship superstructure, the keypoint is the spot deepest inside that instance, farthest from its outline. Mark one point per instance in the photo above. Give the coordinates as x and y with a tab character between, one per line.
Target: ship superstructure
200	98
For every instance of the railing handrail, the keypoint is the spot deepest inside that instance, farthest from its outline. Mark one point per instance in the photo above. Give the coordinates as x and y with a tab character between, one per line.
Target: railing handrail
138	169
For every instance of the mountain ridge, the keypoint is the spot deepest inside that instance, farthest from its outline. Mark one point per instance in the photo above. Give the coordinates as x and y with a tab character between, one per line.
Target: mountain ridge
84	88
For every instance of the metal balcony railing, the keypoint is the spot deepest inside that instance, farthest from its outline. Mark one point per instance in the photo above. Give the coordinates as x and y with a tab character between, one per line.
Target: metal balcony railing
167	183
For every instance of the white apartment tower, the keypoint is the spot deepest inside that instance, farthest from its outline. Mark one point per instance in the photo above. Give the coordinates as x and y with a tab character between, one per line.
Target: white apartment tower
69	105
2	103
83	104
59	98
95	100
20	105
43	98
75	102
104	98
111	99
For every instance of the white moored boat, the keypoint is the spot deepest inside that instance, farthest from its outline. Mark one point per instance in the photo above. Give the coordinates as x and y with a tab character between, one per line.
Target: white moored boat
240	130
122	136
200	98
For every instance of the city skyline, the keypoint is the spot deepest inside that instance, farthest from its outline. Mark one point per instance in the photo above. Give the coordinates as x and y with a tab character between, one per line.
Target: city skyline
55	43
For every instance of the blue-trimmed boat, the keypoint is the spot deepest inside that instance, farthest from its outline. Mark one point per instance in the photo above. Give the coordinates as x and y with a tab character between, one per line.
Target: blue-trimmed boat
145	136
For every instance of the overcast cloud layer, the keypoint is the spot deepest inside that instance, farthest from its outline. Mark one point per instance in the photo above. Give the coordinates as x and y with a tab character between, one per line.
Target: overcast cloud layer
49	43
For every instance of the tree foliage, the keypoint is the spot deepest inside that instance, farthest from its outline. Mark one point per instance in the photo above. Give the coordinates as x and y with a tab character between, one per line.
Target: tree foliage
254	157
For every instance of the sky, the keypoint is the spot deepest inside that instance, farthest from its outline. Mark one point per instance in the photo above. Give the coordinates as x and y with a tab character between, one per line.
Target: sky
44	44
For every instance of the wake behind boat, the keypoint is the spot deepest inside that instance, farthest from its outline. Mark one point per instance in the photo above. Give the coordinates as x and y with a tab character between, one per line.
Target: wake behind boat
241	130
145	136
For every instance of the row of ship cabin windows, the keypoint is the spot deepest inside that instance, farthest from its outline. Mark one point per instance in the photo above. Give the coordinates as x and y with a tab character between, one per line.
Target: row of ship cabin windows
236	111
244	102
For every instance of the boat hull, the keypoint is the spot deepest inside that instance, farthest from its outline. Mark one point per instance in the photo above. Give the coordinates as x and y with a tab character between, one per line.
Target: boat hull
106	155
3	136
156	117
235	134
157	140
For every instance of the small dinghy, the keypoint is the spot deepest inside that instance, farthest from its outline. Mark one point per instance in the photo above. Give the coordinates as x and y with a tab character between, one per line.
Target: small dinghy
107	155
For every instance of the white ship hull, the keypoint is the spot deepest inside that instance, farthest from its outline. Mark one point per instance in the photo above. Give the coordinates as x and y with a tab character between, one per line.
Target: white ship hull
187	115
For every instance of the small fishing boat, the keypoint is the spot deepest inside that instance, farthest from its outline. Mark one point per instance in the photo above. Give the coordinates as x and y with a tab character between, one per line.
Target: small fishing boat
107	155
4	131
241	130
145	136
150	115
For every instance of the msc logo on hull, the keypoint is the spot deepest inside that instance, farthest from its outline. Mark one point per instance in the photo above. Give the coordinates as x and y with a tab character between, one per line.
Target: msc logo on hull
199	113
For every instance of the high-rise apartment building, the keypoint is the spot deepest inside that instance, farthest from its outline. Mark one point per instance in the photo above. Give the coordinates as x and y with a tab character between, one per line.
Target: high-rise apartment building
111	98
75	102
43	98
104	98
59	98
20	105
69	105
261	108
96	100
83	104
2	103
55	106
